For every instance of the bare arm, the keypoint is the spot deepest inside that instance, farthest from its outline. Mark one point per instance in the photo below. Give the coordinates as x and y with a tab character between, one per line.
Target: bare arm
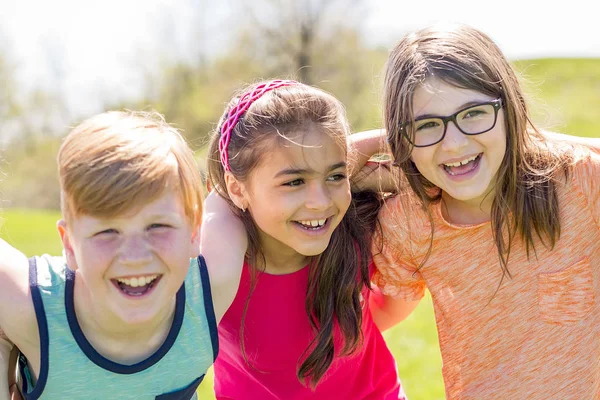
223	244
367	174
18	324
364	145
5	349
387	311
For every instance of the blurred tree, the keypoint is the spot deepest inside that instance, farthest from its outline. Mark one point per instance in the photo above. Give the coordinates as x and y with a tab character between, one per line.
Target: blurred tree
318	42
31	179
9	104
292	33
31	122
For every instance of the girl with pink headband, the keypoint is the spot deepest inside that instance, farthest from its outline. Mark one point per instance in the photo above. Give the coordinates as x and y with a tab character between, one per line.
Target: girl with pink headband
300	325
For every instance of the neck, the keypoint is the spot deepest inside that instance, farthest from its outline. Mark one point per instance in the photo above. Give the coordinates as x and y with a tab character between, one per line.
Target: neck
281	260
469	212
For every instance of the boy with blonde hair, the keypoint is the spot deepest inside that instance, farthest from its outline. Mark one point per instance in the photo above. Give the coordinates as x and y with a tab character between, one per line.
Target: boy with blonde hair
127	311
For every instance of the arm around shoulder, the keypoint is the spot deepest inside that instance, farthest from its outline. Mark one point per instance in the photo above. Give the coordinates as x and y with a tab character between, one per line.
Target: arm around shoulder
364	145
388	311
17	318
223	244
398	283
586	173
5	348
14	283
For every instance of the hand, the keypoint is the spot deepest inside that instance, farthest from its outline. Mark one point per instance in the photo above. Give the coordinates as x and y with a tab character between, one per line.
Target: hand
375	176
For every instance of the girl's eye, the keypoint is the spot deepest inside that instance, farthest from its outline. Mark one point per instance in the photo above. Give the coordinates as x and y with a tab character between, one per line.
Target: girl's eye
337	177
295	182
427	124
475	112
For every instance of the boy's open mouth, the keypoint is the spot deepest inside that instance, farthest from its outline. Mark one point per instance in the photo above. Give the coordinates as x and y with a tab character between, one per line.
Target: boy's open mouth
462	167
136	286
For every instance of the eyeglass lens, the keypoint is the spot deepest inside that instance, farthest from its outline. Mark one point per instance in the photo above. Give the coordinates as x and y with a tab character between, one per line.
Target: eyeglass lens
471	121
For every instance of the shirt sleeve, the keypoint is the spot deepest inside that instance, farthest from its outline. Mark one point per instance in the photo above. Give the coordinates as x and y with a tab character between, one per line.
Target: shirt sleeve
586	174
396	273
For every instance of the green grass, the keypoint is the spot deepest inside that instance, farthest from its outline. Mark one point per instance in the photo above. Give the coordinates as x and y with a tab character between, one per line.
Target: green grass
31	231
413	342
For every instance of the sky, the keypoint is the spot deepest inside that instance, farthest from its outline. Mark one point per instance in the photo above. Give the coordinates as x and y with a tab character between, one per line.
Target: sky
92	51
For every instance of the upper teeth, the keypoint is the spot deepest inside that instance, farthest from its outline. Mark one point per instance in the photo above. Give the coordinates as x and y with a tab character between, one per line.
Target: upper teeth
137	281
315	222
463	162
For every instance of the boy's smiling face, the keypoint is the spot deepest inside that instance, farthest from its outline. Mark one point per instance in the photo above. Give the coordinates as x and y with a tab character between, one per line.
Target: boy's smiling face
131	266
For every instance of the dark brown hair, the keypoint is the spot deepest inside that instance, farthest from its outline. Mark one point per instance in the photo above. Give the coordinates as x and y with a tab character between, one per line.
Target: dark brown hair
526	180
336	276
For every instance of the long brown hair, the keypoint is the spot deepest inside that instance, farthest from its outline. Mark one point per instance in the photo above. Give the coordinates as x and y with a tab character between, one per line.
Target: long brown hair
336	276
525	200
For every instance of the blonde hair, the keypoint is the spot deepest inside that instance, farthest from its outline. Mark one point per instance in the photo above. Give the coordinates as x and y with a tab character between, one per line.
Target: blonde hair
116	161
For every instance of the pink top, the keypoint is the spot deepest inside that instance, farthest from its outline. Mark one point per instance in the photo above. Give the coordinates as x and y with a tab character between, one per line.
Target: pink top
277	332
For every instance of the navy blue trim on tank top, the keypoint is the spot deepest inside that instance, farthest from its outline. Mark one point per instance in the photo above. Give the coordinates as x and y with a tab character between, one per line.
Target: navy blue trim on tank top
40	315
105	363
208	306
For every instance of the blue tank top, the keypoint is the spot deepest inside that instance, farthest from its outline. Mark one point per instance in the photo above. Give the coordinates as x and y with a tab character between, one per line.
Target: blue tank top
72	369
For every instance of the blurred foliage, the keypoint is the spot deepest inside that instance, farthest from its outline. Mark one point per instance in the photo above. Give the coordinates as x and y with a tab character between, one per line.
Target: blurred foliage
564	93
29	141
31	178
10	108
316	41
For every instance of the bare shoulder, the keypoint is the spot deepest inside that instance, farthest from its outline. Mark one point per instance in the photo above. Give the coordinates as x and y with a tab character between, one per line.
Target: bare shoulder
13	268
17	315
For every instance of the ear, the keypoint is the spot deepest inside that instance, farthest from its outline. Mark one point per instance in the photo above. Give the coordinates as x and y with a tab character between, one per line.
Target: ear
195	248
237	191
69	253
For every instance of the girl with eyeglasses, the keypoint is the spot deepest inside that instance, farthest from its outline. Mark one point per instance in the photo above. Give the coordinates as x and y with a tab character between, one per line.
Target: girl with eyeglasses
501	223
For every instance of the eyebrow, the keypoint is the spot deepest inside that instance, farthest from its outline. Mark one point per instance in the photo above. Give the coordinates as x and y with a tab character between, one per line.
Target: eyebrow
459	108
301	171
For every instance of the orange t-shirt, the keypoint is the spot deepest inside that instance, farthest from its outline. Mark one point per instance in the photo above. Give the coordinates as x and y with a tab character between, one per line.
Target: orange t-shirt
537	335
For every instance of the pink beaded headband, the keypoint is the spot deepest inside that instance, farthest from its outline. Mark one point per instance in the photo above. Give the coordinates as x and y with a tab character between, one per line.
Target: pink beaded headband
239	109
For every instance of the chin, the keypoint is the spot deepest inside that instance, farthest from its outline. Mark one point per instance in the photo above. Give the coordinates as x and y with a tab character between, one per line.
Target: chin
138	318
135	317
314	251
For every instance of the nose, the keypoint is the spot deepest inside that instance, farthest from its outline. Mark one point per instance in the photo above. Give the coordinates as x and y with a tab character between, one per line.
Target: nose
319	197
135	251
454	140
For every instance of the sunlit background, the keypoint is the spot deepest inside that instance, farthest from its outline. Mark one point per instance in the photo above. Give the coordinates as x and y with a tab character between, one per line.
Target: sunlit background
62	61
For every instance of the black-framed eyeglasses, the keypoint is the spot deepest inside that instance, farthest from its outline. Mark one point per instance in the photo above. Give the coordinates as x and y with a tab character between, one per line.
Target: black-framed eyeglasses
472	120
